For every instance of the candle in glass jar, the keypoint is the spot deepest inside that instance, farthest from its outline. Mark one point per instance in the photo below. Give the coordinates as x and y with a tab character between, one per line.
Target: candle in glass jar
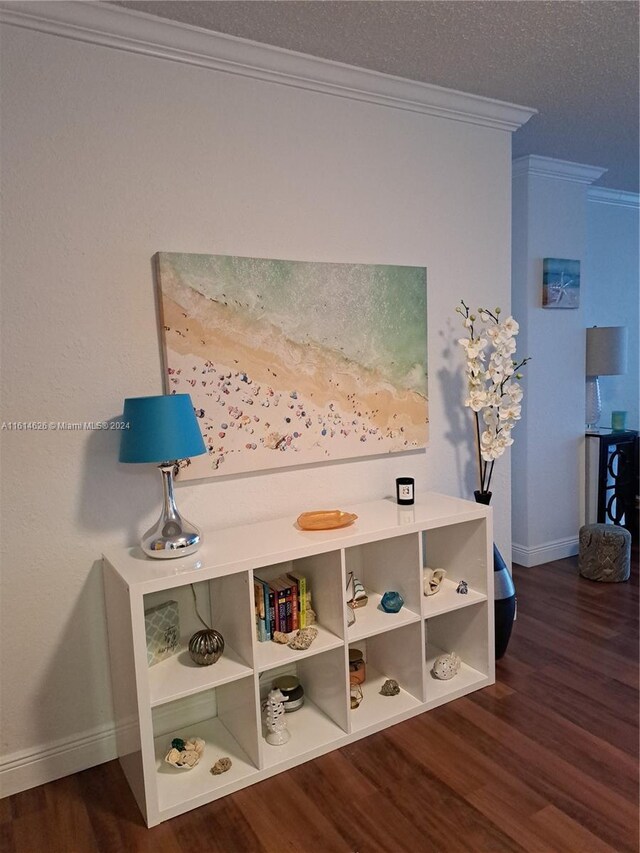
357	669
404	490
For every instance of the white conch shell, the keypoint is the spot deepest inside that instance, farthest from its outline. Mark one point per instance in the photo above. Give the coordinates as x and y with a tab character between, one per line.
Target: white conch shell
446	666
432	578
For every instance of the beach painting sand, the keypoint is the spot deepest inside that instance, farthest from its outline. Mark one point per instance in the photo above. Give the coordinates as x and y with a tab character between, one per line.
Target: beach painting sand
291	362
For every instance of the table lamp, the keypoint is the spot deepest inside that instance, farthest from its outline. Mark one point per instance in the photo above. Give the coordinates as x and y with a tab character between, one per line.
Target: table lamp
606	356
163	430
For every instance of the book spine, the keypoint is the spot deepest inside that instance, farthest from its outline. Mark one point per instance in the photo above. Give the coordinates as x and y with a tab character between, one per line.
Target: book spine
301	592
295	612
264	586
258	591
281	610
288	600
302	601
272	612
278	612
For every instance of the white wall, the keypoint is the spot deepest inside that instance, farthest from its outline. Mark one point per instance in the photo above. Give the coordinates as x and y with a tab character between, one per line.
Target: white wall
613	296
110	156
549	221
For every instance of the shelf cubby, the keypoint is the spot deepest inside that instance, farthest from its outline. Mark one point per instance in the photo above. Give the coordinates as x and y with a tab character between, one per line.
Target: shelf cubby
394	656
324	713
388	564
324	579
311	732
464	632
463	552
224	603
376	708
198	785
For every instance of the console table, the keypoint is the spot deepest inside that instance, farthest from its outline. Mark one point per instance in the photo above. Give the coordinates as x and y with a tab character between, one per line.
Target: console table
612	478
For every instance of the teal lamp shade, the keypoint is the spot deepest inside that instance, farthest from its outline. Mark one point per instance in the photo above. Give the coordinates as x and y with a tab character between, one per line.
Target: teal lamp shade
160	429
163	430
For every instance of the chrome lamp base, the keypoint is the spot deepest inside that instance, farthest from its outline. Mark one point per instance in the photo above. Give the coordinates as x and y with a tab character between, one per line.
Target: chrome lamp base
593	408
171	536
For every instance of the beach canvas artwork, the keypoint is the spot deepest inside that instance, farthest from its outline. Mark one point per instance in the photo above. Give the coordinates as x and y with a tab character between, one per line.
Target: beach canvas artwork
560	283
291	362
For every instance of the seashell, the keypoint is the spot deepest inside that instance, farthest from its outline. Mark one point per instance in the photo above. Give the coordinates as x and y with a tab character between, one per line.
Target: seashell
198	744
390	688
189	758
280	637
446	666
311	616
172	757
303	638
432	580
221	766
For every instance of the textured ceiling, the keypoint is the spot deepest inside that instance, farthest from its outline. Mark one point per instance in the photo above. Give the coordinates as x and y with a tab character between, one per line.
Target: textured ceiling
575	62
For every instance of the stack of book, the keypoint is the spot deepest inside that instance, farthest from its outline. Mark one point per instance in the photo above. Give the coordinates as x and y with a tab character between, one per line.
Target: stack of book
281	604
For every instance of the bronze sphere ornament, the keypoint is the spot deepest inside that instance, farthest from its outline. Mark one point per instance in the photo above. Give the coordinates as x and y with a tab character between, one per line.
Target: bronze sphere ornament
206	646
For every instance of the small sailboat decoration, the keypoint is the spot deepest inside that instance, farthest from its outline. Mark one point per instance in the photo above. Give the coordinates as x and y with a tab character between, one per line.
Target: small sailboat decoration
356	594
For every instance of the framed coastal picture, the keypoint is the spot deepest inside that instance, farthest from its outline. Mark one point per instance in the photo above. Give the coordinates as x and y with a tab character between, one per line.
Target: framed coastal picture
560	283
293	362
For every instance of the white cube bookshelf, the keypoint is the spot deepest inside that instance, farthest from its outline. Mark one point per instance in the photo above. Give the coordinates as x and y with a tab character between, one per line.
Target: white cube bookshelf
386	548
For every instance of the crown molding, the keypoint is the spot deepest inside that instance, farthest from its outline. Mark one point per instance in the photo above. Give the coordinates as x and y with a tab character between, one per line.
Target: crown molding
560	170
620	198
138	32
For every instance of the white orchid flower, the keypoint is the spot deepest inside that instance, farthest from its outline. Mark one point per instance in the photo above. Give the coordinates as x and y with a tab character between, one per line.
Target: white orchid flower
476	400
510	326
515	392
509	411
473	346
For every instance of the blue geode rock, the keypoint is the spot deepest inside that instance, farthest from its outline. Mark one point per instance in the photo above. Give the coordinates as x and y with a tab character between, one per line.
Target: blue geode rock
391	602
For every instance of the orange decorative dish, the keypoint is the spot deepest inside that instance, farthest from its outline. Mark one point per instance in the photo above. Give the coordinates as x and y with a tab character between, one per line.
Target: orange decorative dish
325	519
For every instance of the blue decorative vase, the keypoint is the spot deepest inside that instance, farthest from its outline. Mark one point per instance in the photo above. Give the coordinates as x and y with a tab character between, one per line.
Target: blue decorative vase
504	592
391	602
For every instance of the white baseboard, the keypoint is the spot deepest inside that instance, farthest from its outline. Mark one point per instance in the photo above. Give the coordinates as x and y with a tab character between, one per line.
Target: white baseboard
41	764
38	765
545	553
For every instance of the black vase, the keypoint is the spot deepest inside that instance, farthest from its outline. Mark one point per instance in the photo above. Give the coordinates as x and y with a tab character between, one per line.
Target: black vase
504	592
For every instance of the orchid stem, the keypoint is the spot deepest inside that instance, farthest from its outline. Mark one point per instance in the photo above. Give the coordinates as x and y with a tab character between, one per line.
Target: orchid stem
479	453
490	475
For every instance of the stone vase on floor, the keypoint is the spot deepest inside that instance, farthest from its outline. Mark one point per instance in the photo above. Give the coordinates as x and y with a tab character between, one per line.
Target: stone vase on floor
504	592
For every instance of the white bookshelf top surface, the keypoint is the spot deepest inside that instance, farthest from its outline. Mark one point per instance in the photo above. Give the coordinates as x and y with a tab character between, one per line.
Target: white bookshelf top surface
251	546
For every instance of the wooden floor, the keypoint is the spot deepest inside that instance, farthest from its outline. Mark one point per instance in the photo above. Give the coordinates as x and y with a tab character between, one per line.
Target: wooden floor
545	760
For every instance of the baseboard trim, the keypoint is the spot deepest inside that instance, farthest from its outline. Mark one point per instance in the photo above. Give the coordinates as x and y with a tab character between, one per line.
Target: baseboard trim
38	765
41	764
539	554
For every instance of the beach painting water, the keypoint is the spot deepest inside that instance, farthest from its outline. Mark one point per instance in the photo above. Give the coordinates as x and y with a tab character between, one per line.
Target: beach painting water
292	362
560	283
